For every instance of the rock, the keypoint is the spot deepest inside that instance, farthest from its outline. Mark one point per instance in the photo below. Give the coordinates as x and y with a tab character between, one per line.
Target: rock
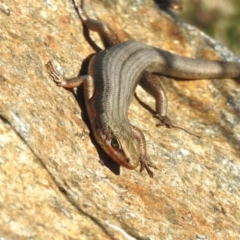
52	185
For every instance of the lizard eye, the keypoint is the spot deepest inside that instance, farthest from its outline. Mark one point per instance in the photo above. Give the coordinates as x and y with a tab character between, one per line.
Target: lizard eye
115	144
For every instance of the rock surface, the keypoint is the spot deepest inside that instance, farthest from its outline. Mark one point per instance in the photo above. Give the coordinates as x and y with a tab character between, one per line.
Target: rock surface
52	185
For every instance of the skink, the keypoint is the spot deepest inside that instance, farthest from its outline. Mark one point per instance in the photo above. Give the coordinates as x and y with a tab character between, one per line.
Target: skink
113	75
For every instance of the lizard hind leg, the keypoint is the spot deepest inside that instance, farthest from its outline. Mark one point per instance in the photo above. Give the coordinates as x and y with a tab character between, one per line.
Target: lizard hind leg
107	35
150	83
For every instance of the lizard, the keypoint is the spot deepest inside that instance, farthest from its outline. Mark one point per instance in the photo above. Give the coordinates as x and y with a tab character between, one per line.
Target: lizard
114	73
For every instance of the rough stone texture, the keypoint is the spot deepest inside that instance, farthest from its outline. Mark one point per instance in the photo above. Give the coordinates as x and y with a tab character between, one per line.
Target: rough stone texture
52	185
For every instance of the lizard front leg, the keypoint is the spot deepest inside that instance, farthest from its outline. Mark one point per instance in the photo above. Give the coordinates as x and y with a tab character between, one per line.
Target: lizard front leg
62	81
143	159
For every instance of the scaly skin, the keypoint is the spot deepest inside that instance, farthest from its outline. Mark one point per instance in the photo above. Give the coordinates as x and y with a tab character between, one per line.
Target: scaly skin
113	75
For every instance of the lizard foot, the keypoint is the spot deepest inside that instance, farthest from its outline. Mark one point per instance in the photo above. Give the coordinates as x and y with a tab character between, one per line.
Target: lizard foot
165	120
56	76
146	164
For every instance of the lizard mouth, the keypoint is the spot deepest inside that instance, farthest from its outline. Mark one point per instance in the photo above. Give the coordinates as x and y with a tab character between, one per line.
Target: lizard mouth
122	160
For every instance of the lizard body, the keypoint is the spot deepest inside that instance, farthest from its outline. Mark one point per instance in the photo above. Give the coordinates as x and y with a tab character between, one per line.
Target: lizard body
113	75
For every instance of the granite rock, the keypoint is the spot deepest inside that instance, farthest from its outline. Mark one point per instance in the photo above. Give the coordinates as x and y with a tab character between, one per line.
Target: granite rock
52	183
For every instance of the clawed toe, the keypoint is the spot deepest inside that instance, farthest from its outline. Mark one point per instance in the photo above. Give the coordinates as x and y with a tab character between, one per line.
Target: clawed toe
56	76
165	120
146	164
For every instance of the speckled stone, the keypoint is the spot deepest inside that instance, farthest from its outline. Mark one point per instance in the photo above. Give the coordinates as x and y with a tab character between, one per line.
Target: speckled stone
52	184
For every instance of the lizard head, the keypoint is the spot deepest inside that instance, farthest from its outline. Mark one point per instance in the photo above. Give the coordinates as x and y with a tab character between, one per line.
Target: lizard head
120	144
